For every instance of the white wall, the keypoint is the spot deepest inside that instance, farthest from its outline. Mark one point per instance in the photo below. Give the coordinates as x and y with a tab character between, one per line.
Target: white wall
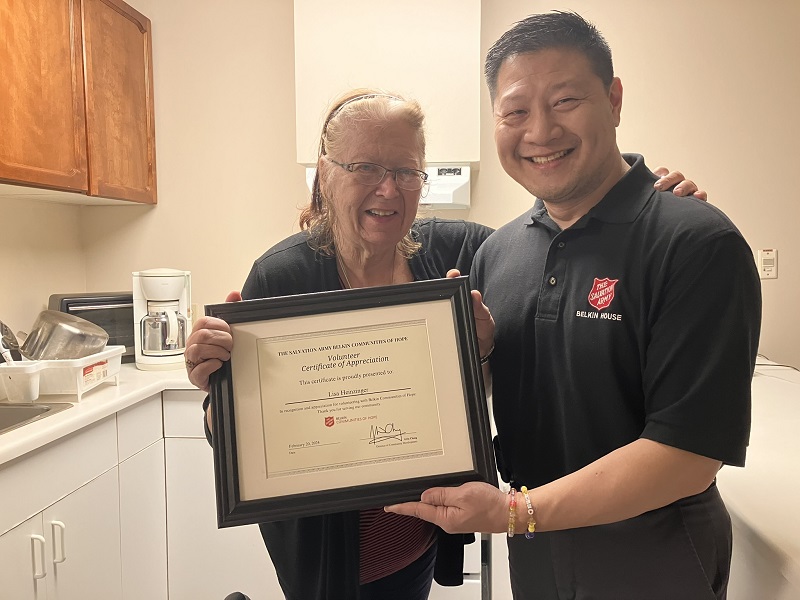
710	88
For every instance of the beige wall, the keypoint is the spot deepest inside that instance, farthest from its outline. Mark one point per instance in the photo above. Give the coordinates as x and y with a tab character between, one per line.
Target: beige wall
41	249
710	89
228	183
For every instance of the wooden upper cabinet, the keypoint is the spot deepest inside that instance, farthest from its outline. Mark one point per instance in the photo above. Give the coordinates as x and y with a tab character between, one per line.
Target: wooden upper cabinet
42	109
76	98
119	101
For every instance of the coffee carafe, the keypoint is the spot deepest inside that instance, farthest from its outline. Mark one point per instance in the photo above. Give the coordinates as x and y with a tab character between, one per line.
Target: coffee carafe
163	329
161	314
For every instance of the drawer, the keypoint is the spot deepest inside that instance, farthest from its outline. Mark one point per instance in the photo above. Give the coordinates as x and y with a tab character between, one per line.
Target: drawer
139	426
183	414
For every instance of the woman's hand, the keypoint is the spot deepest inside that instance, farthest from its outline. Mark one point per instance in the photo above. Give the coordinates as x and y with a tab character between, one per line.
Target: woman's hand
472	507
683	186
209	344
484	323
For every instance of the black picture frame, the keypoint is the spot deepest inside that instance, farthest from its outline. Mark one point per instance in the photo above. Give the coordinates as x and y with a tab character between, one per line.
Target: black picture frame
230	453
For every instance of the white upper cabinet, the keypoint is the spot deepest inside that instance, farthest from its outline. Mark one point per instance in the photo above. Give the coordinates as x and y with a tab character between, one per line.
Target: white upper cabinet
427	50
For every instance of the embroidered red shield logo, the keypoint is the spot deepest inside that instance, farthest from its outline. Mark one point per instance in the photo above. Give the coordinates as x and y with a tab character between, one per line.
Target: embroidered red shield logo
602	292
328	421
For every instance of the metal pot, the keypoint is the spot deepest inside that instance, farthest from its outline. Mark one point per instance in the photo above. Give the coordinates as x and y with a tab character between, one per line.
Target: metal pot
60	336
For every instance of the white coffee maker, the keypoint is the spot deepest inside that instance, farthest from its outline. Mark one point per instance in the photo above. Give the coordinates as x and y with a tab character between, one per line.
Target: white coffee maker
161	317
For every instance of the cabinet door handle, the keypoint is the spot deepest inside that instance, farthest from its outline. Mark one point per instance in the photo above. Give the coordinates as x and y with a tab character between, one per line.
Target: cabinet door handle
59	550
38	573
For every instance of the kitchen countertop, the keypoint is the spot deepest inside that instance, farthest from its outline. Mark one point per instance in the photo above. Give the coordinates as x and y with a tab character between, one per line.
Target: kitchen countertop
763	496
106	399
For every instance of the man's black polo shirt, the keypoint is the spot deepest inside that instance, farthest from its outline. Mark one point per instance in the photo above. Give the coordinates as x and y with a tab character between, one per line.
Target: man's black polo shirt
640	320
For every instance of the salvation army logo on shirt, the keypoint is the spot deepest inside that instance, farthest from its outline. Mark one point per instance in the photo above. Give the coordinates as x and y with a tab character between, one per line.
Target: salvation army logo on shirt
328	421
602	292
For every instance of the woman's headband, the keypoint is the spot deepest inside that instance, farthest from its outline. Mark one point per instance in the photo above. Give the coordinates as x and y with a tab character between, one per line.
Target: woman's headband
362	97
345	103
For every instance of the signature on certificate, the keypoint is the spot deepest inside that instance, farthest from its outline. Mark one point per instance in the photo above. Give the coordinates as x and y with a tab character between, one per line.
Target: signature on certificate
378	433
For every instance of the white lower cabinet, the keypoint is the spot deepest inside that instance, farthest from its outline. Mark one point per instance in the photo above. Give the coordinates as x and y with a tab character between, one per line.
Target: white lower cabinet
205	563
143	524
85	516
59	519
82	531
142	501
70	548
24	559
119	512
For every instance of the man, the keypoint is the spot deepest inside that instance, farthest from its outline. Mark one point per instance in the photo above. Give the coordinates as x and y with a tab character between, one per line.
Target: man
627	326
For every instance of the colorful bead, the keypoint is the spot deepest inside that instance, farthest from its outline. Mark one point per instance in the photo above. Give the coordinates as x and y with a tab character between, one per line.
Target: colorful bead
531	521
512	512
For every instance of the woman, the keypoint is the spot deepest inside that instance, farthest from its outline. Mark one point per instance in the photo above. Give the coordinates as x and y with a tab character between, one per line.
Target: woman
359	230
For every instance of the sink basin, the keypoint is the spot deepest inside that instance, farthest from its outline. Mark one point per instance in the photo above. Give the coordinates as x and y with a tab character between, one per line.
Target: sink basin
15	415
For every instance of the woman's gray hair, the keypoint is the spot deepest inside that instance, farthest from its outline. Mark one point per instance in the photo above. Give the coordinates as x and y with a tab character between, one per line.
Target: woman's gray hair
359	105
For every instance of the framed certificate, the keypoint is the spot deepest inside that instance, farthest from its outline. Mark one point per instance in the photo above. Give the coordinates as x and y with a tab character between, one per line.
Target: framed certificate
346	400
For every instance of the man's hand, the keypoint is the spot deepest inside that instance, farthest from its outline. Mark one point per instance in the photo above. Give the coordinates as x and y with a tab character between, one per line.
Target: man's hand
469	508
683	186
484	323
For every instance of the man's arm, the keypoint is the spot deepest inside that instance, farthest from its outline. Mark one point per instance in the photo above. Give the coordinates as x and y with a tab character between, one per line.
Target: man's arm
639	477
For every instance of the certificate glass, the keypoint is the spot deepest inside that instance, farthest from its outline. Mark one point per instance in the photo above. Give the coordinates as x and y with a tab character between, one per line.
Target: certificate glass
347	400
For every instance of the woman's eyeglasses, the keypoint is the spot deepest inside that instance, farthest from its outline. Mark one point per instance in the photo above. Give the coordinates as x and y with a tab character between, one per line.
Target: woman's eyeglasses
367	173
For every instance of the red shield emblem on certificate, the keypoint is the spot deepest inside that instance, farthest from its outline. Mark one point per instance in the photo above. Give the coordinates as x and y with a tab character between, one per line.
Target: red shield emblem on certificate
602	292
328	421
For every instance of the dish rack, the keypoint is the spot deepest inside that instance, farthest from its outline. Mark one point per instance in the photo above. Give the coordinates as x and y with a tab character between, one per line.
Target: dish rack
24	381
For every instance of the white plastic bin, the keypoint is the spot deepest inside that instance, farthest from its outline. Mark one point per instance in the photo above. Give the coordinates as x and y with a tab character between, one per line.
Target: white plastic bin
21	380
76	376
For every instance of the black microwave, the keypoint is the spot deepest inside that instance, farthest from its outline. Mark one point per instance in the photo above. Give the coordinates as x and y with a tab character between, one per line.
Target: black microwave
113	311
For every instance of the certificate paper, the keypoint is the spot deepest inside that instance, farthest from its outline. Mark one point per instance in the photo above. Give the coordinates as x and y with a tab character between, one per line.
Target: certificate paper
347	400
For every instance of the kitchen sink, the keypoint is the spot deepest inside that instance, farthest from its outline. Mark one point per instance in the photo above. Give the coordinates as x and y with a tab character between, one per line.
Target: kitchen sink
13	415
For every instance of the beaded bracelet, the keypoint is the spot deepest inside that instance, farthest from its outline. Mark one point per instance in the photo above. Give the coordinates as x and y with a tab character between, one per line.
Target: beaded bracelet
512	511
531	521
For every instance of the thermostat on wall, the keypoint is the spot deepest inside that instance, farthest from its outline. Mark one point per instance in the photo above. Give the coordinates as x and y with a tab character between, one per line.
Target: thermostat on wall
768	263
